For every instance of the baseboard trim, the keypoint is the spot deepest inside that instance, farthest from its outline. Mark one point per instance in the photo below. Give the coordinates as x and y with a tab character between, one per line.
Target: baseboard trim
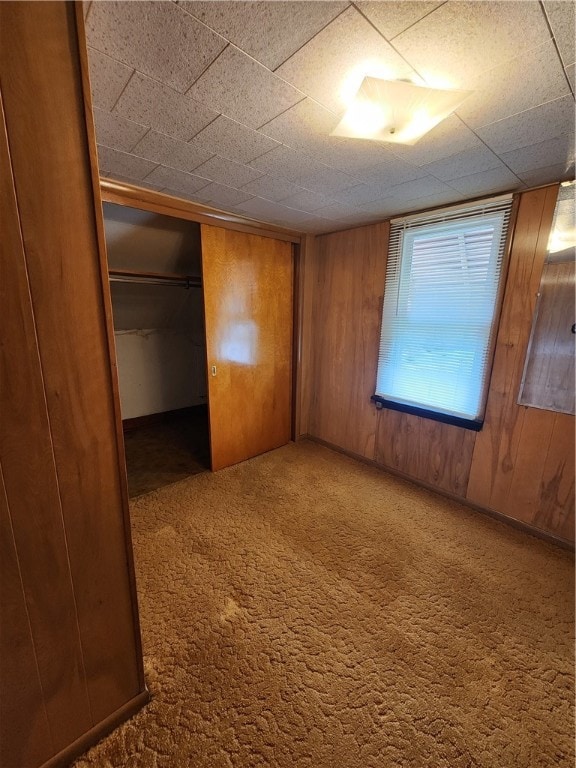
103	728
157	418
511	521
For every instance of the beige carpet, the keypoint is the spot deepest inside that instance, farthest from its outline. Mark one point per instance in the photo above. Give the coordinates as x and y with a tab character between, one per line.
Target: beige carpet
302	609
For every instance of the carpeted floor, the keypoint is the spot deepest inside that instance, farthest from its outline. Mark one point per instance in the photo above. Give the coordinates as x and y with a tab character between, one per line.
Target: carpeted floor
163	453
302	609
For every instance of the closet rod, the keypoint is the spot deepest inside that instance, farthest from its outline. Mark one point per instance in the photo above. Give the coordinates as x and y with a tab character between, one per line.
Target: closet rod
184	281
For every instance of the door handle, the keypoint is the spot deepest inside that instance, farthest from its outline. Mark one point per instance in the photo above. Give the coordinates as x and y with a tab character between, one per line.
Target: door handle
213	370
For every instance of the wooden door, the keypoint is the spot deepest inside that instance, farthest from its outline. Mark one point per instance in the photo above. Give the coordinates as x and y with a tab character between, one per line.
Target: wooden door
248	307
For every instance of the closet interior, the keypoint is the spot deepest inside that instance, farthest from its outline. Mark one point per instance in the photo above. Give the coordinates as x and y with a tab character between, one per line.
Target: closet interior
155	273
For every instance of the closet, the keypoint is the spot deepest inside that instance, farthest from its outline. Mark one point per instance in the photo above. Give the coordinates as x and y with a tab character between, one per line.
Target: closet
157	305
203	325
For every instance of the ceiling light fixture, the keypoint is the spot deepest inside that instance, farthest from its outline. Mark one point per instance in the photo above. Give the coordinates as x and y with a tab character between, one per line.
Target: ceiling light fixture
396	111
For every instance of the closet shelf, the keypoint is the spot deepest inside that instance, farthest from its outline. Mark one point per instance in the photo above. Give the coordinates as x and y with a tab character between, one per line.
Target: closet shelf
153	278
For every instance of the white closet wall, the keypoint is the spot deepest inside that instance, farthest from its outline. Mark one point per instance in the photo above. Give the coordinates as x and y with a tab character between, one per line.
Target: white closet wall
159	330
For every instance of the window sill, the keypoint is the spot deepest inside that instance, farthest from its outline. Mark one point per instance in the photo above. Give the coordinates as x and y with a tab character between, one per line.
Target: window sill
444	418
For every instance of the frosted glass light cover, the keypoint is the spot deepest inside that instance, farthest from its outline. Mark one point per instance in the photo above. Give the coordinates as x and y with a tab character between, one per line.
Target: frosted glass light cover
395	111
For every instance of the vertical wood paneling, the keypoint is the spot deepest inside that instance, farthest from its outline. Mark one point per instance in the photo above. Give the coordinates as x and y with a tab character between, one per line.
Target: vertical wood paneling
521	463
43	99
25	737
248	283
549	372
346	332
509	461
435	453
307	276
26	453
556	509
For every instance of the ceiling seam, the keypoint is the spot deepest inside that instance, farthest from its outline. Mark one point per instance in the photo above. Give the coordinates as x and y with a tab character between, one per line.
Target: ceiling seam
549	25
350	5
123	89
206	68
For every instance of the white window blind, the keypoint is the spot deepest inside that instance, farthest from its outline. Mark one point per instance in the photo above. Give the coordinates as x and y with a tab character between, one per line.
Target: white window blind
440	300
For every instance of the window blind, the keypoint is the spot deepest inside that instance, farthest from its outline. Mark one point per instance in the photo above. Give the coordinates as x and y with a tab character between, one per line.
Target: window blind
440	300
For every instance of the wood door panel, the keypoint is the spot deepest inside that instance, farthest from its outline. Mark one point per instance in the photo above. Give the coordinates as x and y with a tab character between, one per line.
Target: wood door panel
248	307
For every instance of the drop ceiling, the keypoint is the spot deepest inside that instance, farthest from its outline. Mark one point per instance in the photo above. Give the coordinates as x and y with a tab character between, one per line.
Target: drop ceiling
230	104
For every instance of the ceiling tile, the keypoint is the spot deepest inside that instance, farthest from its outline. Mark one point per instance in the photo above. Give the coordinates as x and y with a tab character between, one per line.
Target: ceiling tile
496	180
171	152
306	126
297	219
258	207
461	39
115	131
413	190
448	138
268	31
227	172
362	194
541	123
156	38
108	78
243	89
233	140
184	183
463	164
305	200
221	194
288	163
337	211
326	181
338	58
522	83
570	75
112	161
558	151
271	188
371	161
547	175
151	103
561	15
392	18
426	203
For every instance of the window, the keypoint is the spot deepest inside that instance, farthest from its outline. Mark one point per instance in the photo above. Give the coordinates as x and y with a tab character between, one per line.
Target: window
440	306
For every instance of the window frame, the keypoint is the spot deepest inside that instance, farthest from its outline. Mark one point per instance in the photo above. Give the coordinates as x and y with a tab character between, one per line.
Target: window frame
426	218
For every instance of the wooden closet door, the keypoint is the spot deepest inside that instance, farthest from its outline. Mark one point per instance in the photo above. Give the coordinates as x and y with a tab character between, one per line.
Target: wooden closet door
248	306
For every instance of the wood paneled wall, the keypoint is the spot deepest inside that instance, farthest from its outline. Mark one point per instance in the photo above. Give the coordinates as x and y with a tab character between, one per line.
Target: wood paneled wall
347	289
523	460
521	464
70	649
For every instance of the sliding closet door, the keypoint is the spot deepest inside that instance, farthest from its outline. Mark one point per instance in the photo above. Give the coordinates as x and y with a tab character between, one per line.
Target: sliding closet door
248	304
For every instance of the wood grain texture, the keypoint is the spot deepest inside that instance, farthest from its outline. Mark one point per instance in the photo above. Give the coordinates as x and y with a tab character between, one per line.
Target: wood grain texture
520	464
437	454
42	89
157	202
516	468
307	275
32	491
348	292
549	372
248	283
25	737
